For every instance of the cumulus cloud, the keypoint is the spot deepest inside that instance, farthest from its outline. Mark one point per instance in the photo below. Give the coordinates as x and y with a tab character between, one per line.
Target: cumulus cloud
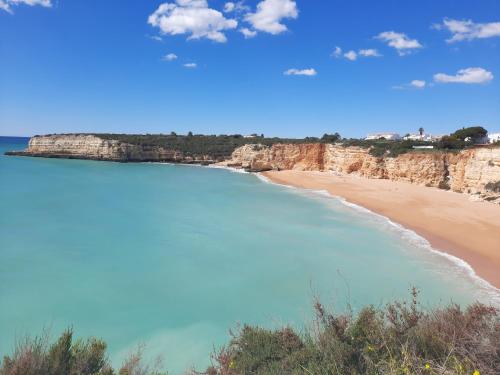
270	14
7	4
467	30
192	17
415	84
248	33
229	7
337	52
190	65
419	84
369	52
351	55
300	72
400	41
170	57
469	76
236	7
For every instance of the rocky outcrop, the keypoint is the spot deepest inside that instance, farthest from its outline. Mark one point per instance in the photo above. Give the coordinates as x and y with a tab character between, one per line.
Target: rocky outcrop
471	171
258	158
85	146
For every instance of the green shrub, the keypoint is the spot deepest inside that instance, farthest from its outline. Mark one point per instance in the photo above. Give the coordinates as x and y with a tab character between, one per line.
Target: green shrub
35	356
452	143
215	146
386	148
474	133
398	339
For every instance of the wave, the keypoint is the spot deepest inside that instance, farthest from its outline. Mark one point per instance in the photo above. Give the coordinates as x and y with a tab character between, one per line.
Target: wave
406	234
230	169
212	166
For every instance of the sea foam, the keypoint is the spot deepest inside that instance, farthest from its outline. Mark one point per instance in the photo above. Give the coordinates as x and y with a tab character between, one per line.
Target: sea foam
489	292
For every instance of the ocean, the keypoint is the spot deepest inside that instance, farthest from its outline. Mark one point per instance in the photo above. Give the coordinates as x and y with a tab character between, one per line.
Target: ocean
174	256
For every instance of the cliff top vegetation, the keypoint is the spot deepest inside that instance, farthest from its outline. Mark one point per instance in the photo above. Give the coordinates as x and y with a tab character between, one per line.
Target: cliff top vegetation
220	147
217	146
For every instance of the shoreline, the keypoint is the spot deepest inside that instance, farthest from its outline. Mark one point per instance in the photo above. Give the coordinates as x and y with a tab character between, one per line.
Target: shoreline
452	224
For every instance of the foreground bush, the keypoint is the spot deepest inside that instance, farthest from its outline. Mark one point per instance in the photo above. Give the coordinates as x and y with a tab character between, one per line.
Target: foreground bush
400	339
35	356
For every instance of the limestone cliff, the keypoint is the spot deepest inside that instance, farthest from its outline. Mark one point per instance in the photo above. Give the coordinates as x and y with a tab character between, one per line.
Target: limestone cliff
473	171
469	171
307	157
84	146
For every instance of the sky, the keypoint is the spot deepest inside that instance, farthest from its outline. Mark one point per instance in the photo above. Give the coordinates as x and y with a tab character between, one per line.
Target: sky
278	67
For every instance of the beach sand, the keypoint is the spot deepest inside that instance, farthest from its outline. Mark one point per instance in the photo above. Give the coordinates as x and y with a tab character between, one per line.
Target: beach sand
450	221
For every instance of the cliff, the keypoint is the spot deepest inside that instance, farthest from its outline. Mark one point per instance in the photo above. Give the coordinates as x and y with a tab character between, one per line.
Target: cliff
85	146
472	171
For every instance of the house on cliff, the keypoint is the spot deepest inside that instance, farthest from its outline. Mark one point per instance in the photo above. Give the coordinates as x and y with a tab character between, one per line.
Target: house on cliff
423	137
388	136
493	137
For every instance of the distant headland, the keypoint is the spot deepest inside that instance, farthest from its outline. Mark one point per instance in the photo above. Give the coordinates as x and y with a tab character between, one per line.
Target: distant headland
456	162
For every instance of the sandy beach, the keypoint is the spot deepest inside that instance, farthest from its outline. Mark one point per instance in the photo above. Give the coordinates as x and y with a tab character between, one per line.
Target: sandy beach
450	221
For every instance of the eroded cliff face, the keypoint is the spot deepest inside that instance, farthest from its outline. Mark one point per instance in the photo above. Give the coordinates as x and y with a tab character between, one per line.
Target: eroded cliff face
305	157
83	146
471	171
467	172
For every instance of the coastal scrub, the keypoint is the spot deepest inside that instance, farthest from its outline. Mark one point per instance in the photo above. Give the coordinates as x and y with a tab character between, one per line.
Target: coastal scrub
400	338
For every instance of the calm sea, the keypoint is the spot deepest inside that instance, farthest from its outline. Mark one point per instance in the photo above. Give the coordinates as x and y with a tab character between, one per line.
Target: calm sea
174	256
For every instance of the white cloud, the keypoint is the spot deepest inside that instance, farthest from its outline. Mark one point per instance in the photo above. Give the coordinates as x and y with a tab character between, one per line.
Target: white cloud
191	65
270	13
236	7
7	4
419	84
469	75
468	30
400	41
248	33
300	72
170	57
337	52
369	53
155	37
351	55
415	84
192	17
229	7
44	3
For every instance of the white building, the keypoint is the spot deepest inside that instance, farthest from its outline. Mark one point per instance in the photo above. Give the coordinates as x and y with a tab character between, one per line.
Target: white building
388	136
494	137
414	137
423	147
423	137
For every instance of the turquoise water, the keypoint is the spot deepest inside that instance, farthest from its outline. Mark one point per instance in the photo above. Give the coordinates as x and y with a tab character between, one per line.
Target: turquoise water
174	256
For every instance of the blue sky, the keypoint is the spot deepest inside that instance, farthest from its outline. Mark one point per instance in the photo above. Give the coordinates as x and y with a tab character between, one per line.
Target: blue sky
100	66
